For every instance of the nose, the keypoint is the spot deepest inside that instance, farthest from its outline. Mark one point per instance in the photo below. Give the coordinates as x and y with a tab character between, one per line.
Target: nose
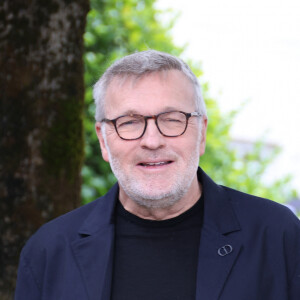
152	138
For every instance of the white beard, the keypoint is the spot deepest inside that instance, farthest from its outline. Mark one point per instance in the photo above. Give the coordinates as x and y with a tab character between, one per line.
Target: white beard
153	195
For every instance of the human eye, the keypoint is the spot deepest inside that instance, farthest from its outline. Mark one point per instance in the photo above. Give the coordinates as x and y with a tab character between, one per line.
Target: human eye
173	117
173	120
129	121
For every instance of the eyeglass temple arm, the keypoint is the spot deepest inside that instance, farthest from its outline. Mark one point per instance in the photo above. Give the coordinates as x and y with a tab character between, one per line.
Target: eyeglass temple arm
195	114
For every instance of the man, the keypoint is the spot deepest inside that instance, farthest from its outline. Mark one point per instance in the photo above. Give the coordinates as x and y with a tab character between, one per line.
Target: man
166	230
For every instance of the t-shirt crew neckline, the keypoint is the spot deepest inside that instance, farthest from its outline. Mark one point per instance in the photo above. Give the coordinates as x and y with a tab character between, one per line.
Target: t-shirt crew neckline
195	209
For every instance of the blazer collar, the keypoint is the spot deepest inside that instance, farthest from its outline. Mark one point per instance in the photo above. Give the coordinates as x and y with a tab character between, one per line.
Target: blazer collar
218	211
103	213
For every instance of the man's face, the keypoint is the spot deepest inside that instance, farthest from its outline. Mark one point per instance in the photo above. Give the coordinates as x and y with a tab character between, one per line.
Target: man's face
153	171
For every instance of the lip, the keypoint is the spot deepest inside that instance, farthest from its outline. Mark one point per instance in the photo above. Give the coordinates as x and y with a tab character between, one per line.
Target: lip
154	164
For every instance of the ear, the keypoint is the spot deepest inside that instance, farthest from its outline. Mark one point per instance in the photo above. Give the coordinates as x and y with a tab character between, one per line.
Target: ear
103	147
203	135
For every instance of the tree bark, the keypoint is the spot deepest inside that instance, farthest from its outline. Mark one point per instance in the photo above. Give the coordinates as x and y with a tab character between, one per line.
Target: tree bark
41	134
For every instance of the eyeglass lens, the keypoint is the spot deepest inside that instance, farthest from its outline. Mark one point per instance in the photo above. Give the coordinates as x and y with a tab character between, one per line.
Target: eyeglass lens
169	124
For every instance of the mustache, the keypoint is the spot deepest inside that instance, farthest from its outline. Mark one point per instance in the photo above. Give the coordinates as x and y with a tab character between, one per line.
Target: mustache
155	155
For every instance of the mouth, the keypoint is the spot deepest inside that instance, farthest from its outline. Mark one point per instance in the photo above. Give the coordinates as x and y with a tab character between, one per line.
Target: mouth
155	164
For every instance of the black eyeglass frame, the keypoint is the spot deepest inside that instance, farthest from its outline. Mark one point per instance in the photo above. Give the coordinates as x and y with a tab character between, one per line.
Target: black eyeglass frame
146	118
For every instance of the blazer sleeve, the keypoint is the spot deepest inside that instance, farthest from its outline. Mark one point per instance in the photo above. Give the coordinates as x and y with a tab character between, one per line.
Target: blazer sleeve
294	245
295	284
27	287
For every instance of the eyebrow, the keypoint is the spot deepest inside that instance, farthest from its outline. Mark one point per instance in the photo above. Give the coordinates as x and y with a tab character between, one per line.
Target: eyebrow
130	112
135	112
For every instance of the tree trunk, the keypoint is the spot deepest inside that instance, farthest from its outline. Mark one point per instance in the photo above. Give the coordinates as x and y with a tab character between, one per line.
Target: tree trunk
41	134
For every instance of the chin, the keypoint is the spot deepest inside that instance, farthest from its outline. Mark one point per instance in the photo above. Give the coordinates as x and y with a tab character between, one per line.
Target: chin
148	198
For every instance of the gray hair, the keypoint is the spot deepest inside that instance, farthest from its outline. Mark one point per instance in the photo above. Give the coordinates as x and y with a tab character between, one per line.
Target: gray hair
139	64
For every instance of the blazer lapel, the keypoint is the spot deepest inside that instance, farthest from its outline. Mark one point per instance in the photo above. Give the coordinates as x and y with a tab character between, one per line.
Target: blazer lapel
94	258
217	256
93	250
220	243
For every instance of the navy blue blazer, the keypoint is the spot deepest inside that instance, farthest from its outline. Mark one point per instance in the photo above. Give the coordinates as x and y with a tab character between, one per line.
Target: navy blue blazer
71	257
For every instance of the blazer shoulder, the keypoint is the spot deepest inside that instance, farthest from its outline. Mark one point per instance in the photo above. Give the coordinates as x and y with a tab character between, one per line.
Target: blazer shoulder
64	227
265	211
84	220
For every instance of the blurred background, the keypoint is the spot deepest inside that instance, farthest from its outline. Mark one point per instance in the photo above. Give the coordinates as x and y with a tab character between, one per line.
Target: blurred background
250	54
245	53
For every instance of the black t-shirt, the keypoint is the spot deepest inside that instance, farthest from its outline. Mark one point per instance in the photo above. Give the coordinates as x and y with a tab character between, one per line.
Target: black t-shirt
156	260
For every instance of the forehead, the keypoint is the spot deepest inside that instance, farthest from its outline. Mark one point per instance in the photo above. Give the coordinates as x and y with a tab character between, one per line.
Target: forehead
149	94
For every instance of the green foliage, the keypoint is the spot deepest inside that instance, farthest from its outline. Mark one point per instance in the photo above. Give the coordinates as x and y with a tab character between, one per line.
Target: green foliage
241	171
116	28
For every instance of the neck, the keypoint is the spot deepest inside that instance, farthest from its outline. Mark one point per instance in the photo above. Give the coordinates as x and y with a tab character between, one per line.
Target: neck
150	213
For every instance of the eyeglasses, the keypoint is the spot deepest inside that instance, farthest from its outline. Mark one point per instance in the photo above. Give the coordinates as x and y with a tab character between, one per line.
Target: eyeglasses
169	124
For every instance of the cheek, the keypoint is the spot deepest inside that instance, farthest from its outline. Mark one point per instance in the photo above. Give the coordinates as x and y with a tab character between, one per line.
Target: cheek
189	143
123	151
